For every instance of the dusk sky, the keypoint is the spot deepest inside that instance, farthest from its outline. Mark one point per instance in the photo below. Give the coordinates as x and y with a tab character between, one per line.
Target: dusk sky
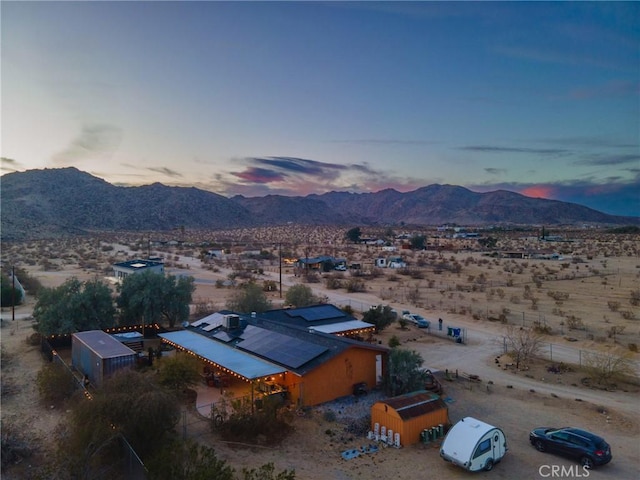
293	98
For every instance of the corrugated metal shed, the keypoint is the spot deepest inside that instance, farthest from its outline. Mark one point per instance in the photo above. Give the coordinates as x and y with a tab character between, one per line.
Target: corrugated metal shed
97	355
103	344
237	361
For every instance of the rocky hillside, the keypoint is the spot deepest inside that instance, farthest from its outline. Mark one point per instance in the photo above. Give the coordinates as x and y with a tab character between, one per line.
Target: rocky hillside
53	202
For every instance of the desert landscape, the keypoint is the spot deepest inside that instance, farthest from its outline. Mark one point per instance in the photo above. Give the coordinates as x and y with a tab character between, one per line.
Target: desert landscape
579	292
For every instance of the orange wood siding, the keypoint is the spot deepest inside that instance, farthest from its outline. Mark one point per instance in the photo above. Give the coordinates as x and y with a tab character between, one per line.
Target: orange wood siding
336	377
409	429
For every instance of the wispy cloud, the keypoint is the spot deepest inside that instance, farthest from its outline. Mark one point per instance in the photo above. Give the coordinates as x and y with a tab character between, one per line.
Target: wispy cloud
608	160
8	165
94	141
386	141
495	171
260	175
165	171
498	149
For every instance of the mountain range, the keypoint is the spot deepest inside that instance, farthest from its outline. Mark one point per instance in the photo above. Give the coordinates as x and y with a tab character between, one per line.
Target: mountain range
56	202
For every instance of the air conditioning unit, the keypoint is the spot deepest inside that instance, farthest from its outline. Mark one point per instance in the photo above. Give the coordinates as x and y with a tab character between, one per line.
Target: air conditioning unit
231	322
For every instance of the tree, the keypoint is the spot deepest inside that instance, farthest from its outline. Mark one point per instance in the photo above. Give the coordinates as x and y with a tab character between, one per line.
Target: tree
127	406
418	242
179	372
188	461
249	298
488	242
150	297
74	306
353	235
381	317
607	368
300	296
522	343
9	294
403	374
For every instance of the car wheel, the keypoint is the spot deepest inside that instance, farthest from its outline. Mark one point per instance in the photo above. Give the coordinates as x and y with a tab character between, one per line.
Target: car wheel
489	465
539	445
586	462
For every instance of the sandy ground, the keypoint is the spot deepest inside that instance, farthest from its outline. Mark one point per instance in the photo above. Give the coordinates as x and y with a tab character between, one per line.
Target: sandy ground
514	401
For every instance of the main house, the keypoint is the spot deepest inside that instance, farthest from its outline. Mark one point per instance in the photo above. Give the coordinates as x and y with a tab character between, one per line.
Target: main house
271	355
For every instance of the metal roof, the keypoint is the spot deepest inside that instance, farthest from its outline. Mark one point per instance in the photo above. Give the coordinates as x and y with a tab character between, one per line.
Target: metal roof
103	344
415	404
342	326
230	358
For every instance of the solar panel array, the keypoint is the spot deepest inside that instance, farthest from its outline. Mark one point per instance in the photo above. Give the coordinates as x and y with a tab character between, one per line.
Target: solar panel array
282	349
312	314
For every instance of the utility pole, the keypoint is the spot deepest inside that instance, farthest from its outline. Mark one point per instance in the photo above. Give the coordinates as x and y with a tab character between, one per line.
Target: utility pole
13	293
280	262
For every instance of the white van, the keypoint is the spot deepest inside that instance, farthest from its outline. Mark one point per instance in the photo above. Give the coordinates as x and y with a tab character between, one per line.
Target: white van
474	445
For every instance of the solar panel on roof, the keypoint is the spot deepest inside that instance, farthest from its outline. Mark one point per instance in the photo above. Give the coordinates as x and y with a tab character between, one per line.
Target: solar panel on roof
312	314
279	348
197	323
211	326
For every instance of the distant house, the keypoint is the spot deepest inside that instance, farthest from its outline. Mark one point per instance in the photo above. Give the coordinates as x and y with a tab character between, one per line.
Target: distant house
390	262
323	263
323	318
123	269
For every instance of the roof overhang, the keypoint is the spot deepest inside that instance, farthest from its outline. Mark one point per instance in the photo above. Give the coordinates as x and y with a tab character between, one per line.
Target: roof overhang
232	359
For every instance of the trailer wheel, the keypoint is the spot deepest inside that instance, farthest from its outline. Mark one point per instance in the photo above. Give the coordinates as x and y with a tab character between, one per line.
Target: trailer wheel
489	465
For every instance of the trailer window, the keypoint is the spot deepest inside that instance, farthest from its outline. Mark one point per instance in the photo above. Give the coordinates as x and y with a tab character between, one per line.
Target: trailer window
483	448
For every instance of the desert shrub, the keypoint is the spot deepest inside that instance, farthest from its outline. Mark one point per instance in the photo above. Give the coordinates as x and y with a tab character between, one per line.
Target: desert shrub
628	314
613	305
55	383
574	323
634	298
633	347
14	446
355	285
541	328
332	282
245	423
179	372
394	342
270	286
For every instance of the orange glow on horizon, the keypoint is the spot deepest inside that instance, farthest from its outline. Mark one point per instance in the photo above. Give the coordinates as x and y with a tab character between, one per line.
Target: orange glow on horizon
538	191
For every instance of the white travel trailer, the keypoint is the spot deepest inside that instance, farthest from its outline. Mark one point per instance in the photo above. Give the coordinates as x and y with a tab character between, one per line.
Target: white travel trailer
474	445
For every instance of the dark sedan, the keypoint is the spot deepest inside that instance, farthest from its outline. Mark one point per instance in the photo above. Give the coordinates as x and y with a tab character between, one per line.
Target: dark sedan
589	449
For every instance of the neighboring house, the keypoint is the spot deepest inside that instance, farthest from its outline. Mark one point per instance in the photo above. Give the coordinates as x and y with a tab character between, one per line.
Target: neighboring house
390	262
122	269
98	355
323	263
323	318
312	367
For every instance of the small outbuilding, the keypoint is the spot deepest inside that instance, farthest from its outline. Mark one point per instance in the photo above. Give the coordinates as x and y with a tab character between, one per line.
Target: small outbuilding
97	355
410	414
